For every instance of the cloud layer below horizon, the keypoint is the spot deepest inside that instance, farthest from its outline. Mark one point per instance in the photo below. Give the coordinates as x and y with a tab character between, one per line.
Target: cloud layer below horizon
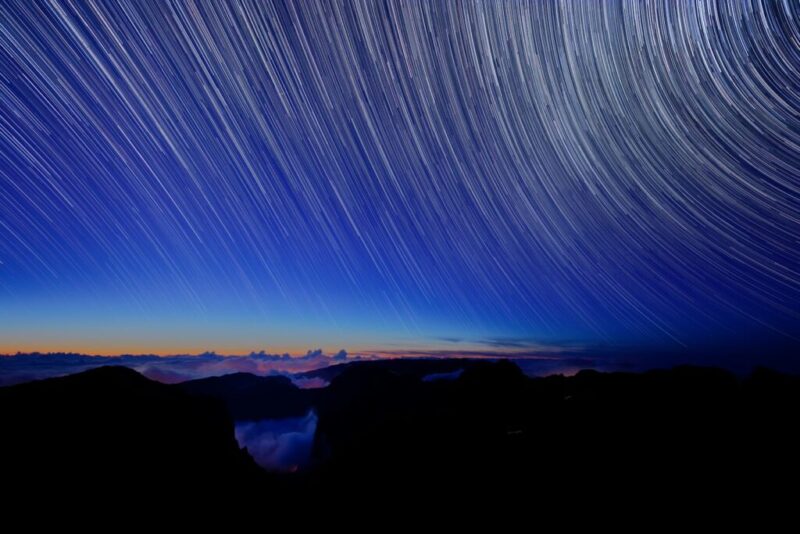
170	369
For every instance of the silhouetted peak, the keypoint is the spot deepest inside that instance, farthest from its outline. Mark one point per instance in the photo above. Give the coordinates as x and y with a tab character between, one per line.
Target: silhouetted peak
112	427
697	372
587	374
252	397
110	379
769	384
239	381
491	374
364	376
113	373
767	375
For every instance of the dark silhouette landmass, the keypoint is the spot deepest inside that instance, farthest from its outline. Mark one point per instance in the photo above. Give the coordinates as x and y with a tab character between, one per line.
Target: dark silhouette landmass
384	430
111	431
249	397
409	367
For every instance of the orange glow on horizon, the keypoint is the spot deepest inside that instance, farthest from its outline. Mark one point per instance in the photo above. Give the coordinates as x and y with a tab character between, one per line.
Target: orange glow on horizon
114	349
160	348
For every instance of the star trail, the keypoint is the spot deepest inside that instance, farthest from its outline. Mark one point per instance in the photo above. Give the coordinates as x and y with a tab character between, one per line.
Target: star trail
391	176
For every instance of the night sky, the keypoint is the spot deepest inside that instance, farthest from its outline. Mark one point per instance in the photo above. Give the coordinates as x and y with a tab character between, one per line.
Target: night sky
400	177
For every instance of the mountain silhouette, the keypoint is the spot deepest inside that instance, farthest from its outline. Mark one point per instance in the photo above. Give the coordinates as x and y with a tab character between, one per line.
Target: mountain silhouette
110	430
251	397
383	433
415	367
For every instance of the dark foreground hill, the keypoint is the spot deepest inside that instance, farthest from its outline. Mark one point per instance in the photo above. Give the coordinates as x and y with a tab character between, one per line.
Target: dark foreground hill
662	436
408	367
110	431
251	397
487	431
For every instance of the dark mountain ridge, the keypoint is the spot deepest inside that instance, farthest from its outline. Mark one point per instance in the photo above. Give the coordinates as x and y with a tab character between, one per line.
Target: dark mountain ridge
491	430
251	397
111	429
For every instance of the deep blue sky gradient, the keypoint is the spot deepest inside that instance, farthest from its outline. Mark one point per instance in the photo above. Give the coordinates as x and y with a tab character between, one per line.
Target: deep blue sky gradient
179	176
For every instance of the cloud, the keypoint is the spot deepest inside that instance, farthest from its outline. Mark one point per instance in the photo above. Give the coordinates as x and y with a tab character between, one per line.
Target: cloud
510	343
279	444
309	383
434	377
517	342
310	355
168	369
178	368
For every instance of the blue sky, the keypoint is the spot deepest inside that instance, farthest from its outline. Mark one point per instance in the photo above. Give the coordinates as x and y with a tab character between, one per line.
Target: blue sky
385	175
